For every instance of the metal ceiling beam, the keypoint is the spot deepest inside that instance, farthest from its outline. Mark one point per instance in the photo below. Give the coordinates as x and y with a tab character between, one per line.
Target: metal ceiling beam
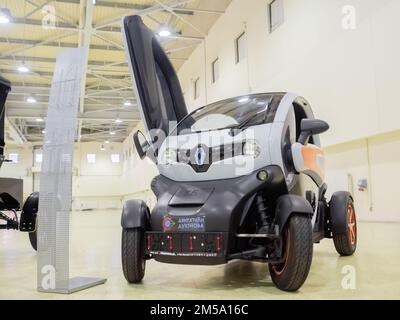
54	13
169	9
37	8
107	116
35	22
103	29
109	41
109	47
149	10
29	46
134	6
53	60
90	75
110	4
111	29
89	107
42	86
84	42
15	131
194	10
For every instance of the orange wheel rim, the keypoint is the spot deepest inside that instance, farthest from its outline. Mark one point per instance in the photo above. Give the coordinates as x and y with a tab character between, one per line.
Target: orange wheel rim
351	224
280	268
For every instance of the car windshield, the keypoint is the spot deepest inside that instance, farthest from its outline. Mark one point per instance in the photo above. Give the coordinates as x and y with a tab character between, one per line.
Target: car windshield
230	113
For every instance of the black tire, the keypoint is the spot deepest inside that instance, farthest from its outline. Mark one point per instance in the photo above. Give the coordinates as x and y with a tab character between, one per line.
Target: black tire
33	239
297	245
133	249
344	223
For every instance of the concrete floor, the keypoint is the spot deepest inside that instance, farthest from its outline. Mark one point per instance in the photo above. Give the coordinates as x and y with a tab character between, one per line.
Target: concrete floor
95	251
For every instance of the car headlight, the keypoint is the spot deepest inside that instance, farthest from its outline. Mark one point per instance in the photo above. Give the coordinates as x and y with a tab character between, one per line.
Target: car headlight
169	156
251	148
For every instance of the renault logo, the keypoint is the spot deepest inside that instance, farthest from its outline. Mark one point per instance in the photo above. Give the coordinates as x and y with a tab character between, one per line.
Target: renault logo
200	156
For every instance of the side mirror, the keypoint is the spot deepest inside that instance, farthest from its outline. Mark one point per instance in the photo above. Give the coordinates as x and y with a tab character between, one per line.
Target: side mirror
141	144
310	127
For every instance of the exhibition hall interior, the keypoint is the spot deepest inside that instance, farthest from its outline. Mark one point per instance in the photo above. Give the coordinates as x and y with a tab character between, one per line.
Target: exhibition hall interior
199	149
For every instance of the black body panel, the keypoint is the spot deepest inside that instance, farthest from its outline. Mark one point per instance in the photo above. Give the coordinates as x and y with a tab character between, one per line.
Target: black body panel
29	213
338	209
210	213
5	87
135	214
187	248
288	204
158	87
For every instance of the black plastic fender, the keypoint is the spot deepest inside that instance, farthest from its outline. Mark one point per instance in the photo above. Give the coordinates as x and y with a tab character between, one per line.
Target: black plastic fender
288	204
29	213
135	214
338	211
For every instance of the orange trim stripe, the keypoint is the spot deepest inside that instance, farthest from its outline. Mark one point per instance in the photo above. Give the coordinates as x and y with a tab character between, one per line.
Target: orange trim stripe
310	154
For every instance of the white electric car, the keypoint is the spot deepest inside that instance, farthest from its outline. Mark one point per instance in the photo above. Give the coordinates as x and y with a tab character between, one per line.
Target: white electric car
241	178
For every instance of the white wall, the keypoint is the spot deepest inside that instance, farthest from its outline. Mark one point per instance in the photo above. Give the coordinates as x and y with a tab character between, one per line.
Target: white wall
378	160
20	170
95	186
350	77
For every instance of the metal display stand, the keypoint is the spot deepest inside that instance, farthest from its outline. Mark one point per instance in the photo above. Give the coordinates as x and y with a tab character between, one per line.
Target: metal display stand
56	178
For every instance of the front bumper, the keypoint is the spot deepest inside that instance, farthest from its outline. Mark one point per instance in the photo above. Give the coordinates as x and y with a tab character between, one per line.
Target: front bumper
187	248
205	208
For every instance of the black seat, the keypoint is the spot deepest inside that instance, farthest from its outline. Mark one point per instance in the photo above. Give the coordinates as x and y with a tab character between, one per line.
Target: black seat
8	202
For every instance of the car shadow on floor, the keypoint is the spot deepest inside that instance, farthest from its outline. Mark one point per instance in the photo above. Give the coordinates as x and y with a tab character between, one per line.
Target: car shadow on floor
238	274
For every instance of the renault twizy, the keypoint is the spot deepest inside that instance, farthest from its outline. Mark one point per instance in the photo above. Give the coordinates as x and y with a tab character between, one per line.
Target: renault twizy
241	178
11	190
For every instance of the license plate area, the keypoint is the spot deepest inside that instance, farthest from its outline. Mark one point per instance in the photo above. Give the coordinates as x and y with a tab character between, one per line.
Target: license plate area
206	244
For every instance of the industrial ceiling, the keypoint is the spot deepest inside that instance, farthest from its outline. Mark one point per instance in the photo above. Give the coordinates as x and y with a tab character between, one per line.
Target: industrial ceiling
38	30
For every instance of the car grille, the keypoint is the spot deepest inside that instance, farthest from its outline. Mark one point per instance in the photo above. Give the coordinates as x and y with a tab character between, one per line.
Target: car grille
210	156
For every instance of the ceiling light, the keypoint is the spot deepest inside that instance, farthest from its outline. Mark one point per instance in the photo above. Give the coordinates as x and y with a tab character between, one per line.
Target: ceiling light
164	31
102	148
127	103
43	131
5	15
39	120
112	133
31	100
23	69
4	19
118	121
106	141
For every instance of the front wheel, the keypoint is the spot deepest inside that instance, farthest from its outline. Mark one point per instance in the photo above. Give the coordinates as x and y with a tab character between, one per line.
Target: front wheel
297	252
132	251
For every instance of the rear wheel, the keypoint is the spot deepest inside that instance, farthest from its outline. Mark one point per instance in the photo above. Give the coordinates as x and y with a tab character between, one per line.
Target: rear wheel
297	251
133	250
343	216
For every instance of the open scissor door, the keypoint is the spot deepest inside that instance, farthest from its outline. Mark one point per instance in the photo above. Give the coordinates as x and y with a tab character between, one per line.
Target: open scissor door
157	88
